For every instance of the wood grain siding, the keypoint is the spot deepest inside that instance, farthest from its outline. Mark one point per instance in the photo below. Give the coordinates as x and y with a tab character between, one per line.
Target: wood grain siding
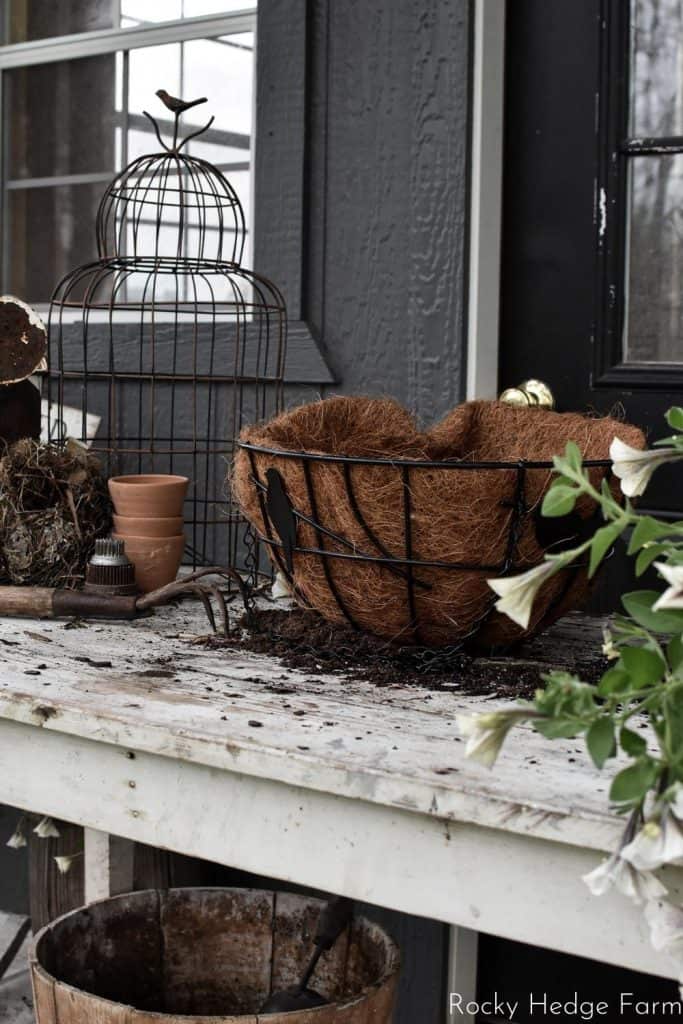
280	176
386	196
280	146
361	197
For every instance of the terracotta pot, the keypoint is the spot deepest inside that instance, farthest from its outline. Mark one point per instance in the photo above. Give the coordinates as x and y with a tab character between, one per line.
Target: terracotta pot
148	526
154	495
156	559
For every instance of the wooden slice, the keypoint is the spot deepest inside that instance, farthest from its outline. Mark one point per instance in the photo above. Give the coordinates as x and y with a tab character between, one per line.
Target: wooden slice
23	341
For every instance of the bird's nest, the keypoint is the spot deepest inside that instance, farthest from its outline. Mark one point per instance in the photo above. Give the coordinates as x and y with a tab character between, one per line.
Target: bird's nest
53	505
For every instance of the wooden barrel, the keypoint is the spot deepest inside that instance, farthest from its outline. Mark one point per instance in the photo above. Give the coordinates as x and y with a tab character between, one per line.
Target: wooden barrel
177	955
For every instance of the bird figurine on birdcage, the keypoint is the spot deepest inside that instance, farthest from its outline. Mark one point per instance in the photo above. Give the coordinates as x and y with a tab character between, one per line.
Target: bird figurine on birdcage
164	346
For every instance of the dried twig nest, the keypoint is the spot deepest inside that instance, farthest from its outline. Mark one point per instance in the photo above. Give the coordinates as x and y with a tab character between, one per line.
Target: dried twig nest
481	521
53	505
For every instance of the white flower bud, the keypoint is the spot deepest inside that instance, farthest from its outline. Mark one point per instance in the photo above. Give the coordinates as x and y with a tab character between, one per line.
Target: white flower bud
46	829
65	862
673	595
634	467
517	593
18	837
486	733
656	845
640	886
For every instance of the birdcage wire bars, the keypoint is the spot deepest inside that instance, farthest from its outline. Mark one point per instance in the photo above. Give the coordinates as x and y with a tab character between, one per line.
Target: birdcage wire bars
168	340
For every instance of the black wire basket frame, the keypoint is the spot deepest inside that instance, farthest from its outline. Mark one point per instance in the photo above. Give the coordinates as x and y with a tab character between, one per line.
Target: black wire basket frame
407	565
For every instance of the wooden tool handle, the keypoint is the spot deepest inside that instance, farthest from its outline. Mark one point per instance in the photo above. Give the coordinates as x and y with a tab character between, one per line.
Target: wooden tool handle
48	603
27	602
84	605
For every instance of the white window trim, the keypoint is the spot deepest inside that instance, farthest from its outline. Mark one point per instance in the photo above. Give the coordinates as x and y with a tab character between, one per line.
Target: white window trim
109	40
486	180
483	312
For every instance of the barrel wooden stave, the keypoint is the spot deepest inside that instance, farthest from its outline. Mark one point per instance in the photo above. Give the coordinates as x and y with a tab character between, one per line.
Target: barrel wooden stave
197	951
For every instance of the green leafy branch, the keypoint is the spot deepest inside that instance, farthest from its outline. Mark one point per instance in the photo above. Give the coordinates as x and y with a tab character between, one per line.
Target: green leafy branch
635	710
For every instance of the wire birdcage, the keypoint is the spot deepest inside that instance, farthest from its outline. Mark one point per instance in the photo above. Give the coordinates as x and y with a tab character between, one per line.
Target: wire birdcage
166	339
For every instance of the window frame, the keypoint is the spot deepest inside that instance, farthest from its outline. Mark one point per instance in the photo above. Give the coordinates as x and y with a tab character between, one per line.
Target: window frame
616	147
278	150
62	49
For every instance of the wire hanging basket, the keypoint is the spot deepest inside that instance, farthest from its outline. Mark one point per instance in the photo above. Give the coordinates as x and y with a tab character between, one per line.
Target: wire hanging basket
402	545
165	345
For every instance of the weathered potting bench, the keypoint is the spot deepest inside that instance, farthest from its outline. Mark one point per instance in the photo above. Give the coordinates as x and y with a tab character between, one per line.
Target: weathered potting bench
138	732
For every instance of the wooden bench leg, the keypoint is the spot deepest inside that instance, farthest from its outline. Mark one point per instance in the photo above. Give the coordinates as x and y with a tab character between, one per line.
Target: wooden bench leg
462	974
108	865
97	865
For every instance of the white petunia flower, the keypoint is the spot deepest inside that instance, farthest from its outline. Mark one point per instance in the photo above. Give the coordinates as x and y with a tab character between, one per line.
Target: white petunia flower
46	829
280	588
486	733
655	845
609	649
639	886
517	593
65	862
18	837
634	467
673	595
666	926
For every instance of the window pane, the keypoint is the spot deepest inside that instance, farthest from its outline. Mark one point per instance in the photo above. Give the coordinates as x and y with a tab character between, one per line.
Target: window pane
31	20
657	67
40	19
61	118
141	11
51	231
654	325
153	68
68	118
137	11
221	69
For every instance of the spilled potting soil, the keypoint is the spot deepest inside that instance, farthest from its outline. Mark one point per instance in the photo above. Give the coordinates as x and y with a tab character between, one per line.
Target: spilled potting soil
304	640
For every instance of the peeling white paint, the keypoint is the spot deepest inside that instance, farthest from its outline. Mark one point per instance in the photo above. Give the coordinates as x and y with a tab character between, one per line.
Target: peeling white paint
377	802
603	213
316	737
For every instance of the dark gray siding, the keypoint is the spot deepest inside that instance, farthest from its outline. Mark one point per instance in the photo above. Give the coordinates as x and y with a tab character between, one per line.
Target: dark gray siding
385	254
386	196
378	272
368	241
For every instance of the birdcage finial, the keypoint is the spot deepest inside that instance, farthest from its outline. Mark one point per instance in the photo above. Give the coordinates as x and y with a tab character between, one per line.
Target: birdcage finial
177	107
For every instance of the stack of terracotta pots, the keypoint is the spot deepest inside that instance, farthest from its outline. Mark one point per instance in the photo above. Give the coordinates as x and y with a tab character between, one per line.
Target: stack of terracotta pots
148	518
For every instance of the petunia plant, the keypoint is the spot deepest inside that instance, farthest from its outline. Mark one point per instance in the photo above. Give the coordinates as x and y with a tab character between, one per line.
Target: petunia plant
45	828
643	684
